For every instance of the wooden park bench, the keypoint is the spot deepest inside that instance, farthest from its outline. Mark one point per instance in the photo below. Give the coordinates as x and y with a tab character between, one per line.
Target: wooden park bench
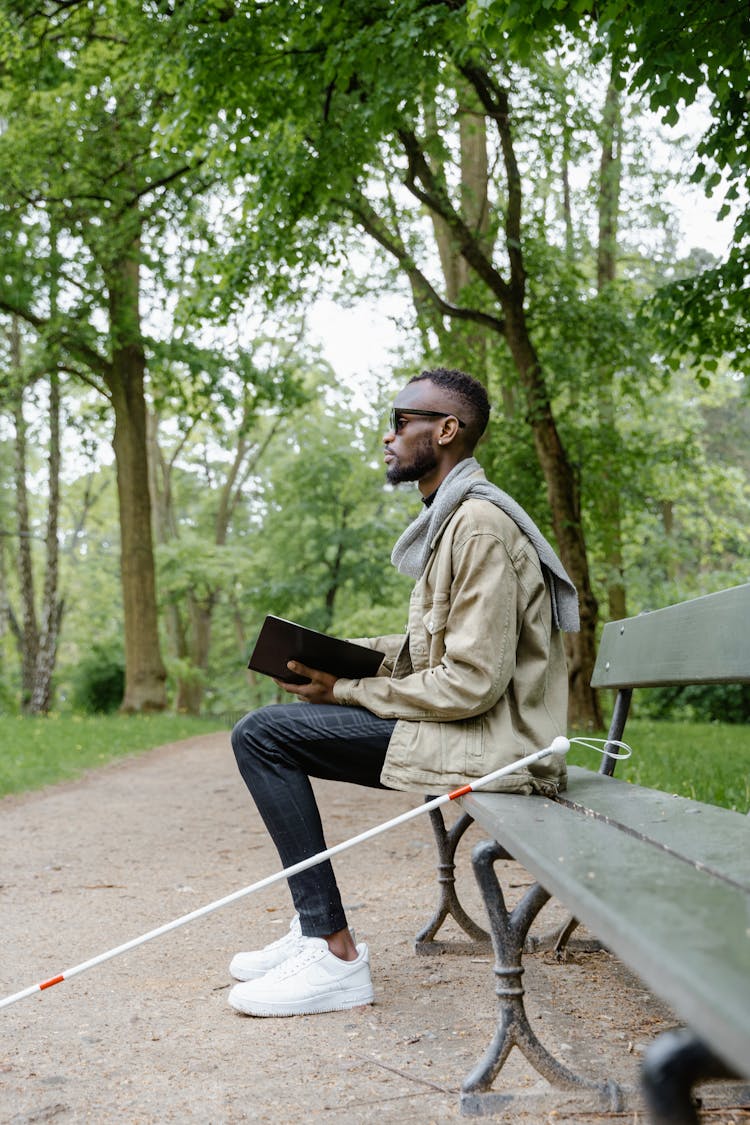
662	881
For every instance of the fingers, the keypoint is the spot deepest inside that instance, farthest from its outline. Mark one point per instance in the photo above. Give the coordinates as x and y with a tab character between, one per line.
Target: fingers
303	670
320	688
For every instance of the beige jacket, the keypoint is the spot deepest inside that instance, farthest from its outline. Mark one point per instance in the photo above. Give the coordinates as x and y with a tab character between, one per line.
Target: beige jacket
479	679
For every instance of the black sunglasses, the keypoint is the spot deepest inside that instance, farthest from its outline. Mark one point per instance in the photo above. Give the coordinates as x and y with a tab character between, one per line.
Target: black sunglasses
395	418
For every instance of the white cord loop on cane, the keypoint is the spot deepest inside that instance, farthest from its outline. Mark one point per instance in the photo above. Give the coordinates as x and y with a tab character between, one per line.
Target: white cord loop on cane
601	745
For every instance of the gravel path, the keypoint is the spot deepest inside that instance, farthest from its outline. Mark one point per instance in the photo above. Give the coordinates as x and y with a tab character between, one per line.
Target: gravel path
148	1037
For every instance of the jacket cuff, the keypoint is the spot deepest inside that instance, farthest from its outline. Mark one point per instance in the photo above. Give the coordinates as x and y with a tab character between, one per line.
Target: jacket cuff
342	690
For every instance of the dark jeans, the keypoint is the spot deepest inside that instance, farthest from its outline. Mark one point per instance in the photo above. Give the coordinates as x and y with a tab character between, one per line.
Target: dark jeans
278	749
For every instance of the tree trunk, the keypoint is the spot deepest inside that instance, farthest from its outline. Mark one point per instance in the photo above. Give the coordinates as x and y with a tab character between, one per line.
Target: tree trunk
666	509
564	502
606	272
37	646
28	633
165	528
145	675
4	608
561	480
52	609
201	620
565	180
334	571
474	187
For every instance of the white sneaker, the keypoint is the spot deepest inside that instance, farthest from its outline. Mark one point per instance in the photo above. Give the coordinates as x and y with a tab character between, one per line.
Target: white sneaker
250	966
311	980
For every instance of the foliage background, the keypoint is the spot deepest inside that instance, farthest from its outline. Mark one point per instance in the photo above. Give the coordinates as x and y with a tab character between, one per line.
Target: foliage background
223	185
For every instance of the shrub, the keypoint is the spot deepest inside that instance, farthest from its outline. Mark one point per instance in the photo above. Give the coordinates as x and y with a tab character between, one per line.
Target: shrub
726	703
99	682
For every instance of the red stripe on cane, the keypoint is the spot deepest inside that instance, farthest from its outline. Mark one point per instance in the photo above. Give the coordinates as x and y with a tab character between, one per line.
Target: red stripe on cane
460	792
51	981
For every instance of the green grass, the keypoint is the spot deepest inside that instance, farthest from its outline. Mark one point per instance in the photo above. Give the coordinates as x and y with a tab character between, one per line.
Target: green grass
707	762
40	751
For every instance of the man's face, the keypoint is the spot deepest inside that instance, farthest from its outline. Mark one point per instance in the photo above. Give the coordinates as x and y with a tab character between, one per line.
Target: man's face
417	457
411	443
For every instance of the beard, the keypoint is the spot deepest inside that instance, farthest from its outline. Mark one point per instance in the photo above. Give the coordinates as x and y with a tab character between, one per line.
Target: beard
423	462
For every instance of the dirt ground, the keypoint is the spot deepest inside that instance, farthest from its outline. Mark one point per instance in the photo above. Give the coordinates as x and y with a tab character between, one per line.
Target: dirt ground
148	1037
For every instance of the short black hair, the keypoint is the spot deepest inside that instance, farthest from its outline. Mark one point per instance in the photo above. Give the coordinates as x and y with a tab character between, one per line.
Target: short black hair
475	409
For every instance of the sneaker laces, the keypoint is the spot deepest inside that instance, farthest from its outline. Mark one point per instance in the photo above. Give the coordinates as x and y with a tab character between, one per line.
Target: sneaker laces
292	935
309	950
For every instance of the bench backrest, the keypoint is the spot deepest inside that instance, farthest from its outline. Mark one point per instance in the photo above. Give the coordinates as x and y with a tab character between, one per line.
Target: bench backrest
702	641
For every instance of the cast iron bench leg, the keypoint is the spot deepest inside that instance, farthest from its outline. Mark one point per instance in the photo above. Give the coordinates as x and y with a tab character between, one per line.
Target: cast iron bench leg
447	840
673	1064
509	930
560	939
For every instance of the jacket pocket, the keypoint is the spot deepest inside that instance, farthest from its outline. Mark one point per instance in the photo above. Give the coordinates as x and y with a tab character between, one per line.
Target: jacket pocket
434	620
463	746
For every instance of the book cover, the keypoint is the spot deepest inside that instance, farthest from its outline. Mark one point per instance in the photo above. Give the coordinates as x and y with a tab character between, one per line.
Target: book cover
280	641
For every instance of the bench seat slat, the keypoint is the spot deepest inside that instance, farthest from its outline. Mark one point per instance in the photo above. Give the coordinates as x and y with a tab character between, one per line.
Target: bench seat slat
694	951
707	836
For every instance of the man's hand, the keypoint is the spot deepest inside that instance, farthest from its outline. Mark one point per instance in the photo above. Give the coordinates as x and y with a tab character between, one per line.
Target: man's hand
320	688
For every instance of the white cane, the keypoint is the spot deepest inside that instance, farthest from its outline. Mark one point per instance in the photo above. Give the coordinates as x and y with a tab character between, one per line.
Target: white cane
559	745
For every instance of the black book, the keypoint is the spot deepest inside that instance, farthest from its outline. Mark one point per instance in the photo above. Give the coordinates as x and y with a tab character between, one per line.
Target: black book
280	641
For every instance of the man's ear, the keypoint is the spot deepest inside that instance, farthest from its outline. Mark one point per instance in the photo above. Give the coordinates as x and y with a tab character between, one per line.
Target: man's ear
448	430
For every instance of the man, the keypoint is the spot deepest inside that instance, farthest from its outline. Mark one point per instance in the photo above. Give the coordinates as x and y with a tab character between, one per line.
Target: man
478	681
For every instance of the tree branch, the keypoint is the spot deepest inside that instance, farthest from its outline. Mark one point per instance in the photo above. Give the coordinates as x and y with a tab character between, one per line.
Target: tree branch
373	225
83	351
433	195
494	99
84	377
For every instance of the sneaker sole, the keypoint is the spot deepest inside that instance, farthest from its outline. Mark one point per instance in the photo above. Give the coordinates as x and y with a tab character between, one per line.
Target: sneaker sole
353	998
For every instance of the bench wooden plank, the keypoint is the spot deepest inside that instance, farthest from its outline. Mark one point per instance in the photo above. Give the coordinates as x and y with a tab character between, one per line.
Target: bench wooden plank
705	640
704	835
695	950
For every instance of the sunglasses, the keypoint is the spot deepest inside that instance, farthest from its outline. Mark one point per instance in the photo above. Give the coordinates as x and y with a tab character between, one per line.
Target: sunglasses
397	417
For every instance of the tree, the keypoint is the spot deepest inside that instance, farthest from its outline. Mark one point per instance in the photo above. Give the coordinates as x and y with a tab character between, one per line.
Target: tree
414	126
349	120
675	53
36	626
688	511
330	517
324	522
199	478
83	184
